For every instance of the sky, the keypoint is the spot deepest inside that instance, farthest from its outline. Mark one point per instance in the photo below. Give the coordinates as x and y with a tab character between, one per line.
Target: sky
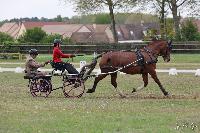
10	9
34	8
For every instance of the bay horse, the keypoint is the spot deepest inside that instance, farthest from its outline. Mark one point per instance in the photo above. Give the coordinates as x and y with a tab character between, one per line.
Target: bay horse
142	61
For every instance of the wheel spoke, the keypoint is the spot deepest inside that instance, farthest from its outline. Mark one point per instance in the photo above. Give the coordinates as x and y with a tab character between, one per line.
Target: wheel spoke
73	89
40	87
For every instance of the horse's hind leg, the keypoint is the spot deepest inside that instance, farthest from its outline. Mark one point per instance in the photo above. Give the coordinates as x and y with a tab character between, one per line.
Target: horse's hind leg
145	80
96	81
114	83
154	76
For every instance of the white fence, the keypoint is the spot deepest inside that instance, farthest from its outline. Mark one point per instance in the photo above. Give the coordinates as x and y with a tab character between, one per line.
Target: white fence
171	71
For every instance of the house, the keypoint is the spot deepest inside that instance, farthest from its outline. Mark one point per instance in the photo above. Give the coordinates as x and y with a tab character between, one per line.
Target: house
97	33
65	30
15	29
30	25
83	32
11	29
135	31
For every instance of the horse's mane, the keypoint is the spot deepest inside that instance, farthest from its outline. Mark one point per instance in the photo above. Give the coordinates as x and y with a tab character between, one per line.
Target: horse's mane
155	42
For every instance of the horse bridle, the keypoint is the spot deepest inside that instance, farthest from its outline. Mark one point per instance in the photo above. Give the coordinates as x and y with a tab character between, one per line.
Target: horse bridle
169	46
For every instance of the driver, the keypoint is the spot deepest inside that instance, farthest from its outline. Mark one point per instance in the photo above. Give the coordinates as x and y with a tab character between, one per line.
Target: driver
57	55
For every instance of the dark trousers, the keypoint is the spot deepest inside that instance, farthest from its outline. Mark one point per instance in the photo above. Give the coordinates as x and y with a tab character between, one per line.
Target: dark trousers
66	66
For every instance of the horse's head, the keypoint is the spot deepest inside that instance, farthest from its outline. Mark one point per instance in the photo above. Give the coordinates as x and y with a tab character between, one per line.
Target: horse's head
165	50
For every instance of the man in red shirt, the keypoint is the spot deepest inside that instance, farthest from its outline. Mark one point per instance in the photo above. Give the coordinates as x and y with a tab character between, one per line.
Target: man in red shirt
57	55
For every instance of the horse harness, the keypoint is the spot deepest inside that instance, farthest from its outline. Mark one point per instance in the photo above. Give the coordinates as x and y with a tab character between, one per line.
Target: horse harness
141	62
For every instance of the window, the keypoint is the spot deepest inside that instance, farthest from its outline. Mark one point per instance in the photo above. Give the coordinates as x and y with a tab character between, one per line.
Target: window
118	33
131	32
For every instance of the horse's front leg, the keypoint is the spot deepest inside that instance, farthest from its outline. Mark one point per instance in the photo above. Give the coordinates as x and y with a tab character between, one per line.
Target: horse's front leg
145	80
154	76
96	81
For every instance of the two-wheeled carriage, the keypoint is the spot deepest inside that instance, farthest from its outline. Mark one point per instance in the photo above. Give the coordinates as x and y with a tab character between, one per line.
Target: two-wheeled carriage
72	86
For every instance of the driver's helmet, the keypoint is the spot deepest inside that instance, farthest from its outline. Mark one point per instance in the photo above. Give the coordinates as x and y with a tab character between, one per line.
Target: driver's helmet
57	41
33	52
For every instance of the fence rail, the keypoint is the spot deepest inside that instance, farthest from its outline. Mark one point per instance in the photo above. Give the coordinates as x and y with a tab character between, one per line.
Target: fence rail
186	47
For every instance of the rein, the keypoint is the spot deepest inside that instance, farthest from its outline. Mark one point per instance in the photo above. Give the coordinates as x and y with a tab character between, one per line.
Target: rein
96	75
123	67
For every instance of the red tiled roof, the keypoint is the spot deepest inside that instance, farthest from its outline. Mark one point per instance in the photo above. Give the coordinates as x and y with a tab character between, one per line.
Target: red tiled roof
80	37
30	25
99	37
66	29
11	29
97	27
89	37
6	27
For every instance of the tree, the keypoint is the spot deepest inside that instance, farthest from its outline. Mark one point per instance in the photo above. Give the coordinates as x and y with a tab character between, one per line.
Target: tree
66	40
162	5
140	17
50	38
160	8
102	19
89	6
34	35
177	5
58	18
190	31
5	38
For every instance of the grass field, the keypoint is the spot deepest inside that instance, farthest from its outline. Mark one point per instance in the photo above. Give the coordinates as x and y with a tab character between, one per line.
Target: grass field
147	111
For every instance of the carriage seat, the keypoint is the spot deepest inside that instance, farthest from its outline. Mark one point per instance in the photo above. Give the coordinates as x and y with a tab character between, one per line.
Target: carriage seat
57	66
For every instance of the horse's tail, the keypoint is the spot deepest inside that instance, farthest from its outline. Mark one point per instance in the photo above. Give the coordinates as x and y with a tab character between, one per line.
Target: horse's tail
94	61
99	56
93	64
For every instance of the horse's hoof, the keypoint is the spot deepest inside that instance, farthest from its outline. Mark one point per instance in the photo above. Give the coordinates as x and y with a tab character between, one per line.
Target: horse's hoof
90	91
123	96
134	90
166	94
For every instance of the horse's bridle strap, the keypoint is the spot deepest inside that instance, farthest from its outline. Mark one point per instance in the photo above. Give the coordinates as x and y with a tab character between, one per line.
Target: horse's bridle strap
150	53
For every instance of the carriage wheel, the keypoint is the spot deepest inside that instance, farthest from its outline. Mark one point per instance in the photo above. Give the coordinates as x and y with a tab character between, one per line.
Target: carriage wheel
40	87
73	90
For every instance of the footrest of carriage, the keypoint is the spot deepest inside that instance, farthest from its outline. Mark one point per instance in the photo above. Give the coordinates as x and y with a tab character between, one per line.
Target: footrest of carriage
28	77
46	77
34	77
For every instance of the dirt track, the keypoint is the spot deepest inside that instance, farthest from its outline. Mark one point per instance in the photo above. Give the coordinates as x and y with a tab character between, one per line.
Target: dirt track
151	96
